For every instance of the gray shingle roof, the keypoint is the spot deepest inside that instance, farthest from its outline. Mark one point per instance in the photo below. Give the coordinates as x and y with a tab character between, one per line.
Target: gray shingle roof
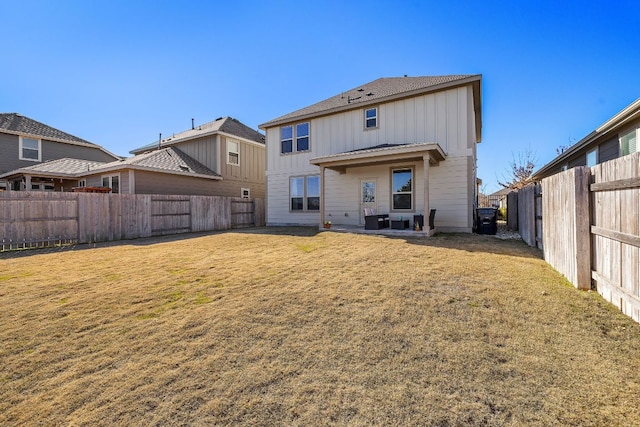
59	167
167	160
374	92
20	125
227	125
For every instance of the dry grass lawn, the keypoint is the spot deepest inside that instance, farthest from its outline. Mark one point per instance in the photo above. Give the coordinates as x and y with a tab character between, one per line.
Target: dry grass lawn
298	328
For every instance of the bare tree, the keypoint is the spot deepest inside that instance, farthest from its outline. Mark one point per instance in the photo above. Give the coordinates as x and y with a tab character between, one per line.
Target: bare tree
520	171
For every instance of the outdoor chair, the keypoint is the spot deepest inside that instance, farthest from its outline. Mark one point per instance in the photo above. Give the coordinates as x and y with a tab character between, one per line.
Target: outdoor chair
373	221
432	217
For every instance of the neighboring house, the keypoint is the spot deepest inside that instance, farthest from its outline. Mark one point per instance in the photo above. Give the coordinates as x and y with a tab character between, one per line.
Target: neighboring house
232	150
25	142
615	138
164	171
497	199
400	146
226	144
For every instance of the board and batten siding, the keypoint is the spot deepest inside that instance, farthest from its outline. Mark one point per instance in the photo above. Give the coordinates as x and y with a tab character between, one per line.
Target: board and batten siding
204	150
250	170
445	117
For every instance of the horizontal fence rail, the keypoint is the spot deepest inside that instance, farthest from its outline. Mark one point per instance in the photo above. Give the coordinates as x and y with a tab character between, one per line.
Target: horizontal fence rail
30	219
591	230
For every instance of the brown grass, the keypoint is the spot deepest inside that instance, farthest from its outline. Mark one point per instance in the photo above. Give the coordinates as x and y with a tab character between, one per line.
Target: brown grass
292	327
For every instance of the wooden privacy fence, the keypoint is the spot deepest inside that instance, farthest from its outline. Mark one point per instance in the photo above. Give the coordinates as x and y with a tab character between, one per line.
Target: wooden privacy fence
35	218
591	230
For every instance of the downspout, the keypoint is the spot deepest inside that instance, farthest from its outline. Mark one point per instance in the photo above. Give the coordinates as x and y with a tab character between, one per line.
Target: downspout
322	196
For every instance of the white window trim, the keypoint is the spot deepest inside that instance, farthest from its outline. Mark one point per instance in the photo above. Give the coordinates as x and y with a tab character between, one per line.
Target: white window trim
294	138
229	151
305	194
247	191
21	157
82	182
413	187
623	133
376	117
111	182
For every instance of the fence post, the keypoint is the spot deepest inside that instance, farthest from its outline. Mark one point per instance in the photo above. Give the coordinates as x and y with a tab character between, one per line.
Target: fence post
583	228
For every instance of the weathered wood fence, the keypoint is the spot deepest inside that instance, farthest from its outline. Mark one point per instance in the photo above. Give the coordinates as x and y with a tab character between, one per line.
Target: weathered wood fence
35	218
591	230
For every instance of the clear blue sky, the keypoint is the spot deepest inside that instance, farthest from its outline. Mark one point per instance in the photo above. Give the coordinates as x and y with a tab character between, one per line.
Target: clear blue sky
118	73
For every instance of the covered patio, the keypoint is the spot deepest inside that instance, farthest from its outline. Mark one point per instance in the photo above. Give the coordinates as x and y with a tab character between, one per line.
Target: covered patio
429	154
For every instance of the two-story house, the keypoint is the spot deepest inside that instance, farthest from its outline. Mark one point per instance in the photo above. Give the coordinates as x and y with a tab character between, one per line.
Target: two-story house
615	138
226	146
400	146
220	158
25	142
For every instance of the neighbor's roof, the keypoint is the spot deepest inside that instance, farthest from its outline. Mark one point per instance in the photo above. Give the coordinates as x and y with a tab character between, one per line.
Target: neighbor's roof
168	160
65	167
629	113
380	90
18	124
226	125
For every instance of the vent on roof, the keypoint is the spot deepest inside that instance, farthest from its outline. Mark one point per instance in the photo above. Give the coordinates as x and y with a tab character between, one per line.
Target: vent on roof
219	118
370	94
360	90
184	168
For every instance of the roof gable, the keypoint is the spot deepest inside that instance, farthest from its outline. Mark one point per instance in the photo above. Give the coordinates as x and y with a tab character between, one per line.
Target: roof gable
20	125
227	125
375	92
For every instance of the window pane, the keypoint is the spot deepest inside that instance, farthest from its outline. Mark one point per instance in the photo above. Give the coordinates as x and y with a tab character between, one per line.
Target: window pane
105	181
313	203
233	158
368	192
286	132
628	143
287	146
30	143
371	113
371	123
115	184
313	186
302	144
28	153
297	187
592	157
296	203
302	129
402	180
401	201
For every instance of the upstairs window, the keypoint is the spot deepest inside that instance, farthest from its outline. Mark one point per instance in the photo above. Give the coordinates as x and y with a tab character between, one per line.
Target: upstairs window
301	137
30	149
402	188
286	139
233	152
371	118
629	142
592	157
